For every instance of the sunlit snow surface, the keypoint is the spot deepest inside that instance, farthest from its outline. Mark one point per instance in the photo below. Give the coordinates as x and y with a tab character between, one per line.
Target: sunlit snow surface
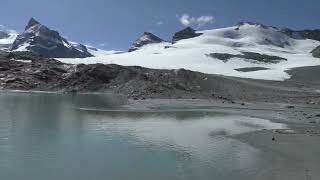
9	40
191	53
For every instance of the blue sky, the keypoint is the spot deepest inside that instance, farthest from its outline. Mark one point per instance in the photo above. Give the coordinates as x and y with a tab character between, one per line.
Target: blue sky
115	24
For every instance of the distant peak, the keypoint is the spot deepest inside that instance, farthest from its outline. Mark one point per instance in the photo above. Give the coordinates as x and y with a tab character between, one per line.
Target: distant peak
185	33
189	29
147	33
31	23
145	39
151	36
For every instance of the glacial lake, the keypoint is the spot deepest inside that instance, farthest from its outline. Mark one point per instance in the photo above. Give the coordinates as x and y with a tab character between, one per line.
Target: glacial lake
62	137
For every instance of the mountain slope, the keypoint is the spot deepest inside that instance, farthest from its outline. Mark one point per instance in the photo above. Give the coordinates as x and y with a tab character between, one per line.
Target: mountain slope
246	38
41	40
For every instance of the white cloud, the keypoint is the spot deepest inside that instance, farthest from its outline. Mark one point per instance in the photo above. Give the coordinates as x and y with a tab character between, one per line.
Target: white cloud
201	21
159	23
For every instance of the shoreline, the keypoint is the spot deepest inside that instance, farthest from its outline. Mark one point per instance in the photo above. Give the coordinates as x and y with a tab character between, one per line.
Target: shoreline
138	83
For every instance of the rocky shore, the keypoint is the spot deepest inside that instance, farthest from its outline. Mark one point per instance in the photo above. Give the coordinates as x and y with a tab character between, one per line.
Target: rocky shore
26	71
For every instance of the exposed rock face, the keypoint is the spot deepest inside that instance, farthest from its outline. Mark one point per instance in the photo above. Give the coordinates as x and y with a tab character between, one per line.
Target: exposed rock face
255	57
316	52
304	34
39	39
186	33
145	39
81	47
311	34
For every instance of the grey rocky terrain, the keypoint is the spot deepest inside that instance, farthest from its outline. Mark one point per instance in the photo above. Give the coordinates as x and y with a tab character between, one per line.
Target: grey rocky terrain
26	71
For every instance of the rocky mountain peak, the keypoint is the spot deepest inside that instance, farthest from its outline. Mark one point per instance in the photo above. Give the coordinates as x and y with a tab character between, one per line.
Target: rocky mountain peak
41	40
145	39
32	22
186	33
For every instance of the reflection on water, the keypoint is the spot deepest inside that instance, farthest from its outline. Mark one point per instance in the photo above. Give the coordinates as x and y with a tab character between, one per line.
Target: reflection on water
47	136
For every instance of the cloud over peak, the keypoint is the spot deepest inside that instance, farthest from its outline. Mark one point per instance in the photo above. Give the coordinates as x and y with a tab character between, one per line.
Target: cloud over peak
199	22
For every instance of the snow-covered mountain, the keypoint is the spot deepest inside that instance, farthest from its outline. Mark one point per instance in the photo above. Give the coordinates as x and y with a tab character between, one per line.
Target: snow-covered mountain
6	39
41	40
248	50
146	39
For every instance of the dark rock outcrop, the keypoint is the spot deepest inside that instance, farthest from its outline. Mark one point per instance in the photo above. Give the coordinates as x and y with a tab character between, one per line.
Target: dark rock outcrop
40	40
251	69
316	52
145	39
303	34
256	57
186	33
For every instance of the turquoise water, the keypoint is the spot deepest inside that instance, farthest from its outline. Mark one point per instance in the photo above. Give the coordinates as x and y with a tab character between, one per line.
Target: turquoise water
50	137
